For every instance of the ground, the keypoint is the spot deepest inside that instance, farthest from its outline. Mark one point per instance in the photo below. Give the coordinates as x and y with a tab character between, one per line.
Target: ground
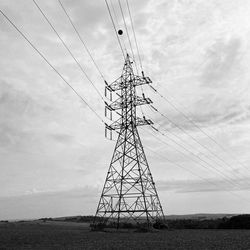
66	235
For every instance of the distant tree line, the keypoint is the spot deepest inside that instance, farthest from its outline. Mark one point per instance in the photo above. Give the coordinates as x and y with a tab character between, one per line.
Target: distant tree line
87	219
235	222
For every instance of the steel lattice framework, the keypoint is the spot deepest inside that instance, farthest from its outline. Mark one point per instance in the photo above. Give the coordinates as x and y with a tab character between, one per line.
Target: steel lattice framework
129	193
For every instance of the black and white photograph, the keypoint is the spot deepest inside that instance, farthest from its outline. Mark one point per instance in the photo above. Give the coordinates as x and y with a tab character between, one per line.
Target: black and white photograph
124	124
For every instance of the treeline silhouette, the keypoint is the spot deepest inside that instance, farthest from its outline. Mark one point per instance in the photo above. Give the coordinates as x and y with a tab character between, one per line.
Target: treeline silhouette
235	222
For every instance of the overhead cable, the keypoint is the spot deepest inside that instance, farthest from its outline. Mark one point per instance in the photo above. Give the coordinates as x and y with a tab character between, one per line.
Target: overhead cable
46	60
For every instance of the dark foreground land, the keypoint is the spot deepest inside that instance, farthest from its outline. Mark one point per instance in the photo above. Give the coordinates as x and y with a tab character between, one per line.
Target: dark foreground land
70	235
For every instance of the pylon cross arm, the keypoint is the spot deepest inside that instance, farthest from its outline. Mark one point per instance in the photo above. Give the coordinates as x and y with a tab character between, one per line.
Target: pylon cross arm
122	82
117	125
120	104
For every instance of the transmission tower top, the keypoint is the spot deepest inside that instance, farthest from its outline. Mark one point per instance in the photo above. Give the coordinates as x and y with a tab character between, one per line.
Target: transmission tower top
126	99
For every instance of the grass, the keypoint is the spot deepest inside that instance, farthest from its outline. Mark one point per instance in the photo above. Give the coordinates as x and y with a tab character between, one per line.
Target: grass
64	235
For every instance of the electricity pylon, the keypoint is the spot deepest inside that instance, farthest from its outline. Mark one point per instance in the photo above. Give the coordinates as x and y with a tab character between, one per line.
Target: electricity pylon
129	194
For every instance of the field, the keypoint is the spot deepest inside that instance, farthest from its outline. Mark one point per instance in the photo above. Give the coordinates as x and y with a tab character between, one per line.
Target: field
68	235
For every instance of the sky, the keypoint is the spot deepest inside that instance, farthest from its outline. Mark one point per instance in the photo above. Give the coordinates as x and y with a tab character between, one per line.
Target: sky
53	152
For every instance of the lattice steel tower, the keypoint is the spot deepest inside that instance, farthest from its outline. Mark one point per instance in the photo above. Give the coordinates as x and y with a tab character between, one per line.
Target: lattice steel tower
129	193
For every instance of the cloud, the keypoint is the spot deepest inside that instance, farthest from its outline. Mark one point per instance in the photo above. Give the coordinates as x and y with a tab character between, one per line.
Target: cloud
13	100
62	138
84	191
38	203
16	107
211	185
223	63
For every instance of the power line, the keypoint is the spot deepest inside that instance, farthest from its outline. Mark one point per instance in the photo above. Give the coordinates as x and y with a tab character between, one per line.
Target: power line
130	44
188	150
81	39
46	60
181	139
176	164
114	12
193	173
133	29
194	124
226	150
67	48
117	24
190	135
228	179
112	20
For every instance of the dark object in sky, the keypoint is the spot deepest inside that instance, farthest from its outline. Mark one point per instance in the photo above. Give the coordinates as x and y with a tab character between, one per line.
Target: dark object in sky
120	32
